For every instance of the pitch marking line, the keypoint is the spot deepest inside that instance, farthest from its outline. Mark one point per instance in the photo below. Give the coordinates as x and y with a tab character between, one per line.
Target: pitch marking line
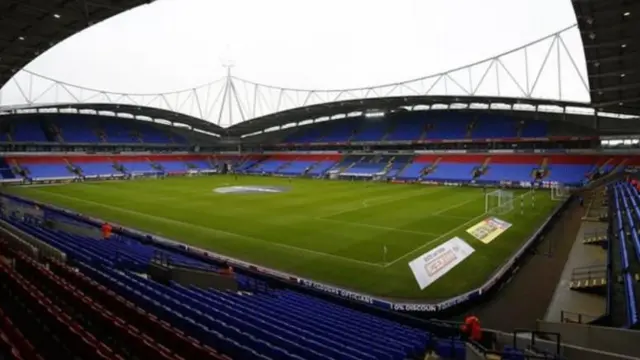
212	230
359	224
392	199
441	237
437	213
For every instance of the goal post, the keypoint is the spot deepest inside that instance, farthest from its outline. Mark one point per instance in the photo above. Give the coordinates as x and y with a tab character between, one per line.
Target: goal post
145	174
559	192
499	202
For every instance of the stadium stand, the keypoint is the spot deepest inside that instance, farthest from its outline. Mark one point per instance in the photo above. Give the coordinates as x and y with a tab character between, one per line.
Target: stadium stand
274	323
71	128
418	126
625	253
571	170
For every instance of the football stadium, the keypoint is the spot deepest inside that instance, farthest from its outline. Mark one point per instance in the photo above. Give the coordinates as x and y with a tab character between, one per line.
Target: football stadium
478	213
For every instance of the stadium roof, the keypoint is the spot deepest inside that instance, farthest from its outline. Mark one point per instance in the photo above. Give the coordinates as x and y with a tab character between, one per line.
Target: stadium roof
395	103
610	31
135	110
30	27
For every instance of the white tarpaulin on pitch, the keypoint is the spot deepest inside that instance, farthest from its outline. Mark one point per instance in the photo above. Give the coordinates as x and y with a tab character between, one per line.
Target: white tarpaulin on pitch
430	266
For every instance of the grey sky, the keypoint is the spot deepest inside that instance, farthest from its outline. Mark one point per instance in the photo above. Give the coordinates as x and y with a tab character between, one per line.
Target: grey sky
177	44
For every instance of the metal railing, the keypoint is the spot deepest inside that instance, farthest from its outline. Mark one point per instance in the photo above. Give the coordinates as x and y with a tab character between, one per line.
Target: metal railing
576	318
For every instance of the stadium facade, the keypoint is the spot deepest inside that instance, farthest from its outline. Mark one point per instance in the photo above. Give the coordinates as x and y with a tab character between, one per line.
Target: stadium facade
454	129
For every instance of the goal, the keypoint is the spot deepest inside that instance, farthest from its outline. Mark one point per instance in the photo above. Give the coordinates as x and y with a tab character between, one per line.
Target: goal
559	192
145	174
498	202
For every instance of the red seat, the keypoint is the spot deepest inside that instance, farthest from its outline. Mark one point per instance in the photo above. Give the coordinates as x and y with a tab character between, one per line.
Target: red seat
160	331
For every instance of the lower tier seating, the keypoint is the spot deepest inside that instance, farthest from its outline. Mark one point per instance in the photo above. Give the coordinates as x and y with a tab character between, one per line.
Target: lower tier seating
269	324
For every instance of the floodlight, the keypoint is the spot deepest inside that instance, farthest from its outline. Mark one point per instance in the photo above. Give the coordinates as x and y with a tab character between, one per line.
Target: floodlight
57	16
376	114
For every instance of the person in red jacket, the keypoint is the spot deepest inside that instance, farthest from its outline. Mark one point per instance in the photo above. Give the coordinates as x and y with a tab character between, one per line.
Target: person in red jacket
471	328
106	231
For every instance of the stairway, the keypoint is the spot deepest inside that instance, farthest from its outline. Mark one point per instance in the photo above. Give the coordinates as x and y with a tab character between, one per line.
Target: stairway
389	165
542	168
620	166
430	168
545	163
18	170
102	136
435	163
425	131
118	167
404	168
51	132
137	136
284	165
601	167
470	128
520	128
72	168
389	131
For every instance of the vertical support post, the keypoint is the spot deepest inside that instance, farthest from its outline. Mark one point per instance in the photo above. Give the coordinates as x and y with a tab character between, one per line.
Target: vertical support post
231	93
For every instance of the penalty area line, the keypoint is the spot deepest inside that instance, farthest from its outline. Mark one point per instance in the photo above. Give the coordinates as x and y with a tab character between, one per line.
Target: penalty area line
211	230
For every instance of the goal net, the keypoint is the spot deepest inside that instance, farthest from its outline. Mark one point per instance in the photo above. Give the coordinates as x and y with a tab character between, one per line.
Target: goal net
498	202
145	174
559	192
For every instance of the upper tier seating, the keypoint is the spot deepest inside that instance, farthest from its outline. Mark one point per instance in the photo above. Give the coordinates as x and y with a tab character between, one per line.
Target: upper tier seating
371	130
453	127
535	129
75	129
493	127
418	126
340	131
408	129
28	130
72	128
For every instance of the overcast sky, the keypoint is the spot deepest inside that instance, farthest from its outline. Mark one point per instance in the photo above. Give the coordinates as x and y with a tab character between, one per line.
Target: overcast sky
173	45
178	44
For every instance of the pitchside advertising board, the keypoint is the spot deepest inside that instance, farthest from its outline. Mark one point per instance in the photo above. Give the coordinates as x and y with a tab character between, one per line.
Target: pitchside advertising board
488	229
429	267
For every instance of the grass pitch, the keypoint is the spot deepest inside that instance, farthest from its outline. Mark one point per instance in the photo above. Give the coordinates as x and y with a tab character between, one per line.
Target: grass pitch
328	231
